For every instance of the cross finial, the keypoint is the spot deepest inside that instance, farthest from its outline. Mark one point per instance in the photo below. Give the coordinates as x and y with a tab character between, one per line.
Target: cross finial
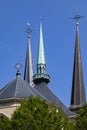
28	30
77	17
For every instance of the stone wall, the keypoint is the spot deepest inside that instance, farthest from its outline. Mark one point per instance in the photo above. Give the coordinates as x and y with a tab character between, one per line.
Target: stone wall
8	109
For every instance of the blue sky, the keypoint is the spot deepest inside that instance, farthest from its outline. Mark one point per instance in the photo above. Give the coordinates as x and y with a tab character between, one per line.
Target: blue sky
59	39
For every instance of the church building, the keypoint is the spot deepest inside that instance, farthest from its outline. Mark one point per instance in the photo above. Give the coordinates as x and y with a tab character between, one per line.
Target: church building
37	84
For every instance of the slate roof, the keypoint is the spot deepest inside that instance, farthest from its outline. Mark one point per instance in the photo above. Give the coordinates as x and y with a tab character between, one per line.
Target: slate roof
46	92
18	88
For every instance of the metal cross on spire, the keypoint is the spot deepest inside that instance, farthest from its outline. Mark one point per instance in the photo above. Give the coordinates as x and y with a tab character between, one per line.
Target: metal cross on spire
77	17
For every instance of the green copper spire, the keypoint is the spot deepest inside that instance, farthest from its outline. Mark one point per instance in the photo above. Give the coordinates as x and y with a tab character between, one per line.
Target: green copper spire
41	75
41	56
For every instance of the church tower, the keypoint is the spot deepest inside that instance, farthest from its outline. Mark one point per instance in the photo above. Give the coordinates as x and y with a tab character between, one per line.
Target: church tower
28	72
41	79
41	75
78	91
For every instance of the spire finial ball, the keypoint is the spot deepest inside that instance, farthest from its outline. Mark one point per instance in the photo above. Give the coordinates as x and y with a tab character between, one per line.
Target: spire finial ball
28	36
77	24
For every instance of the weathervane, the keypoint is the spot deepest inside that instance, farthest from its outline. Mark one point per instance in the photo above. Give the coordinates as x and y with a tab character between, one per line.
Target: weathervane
28	30
77	17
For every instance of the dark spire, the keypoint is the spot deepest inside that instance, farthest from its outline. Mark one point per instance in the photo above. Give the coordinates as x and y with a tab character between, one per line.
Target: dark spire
78	92
28	73
41	75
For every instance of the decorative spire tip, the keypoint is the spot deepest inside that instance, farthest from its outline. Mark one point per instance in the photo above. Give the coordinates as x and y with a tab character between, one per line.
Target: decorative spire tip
18	66
77	24
28	30
77	17
41	18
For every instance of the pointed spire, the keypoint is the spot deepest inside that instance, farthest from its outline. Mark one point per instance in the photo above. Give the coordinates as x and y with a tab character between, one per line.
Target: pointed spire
28	73
41	56
41	75
78	92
